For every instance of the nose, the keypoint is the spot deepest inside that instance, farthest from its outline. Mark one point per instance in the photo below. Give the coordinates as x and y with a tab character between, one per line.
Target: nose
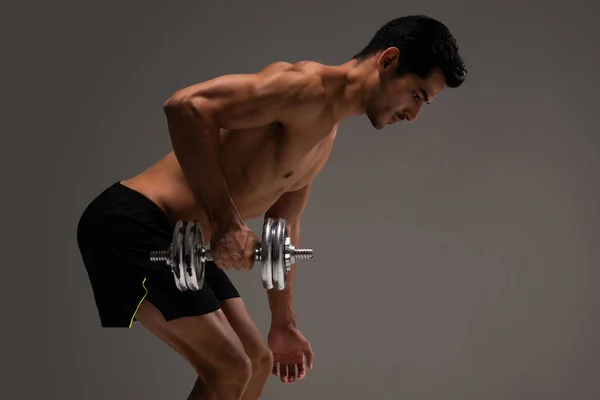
413	114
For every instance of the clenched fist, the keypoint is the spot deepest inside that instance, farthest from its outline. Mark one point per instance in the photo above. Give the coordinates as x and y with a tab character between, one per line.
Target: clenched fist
233	246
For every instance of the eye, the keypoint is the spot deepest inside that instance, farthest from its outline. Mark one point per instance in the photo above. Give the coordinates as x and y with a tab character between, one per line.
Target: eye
416	97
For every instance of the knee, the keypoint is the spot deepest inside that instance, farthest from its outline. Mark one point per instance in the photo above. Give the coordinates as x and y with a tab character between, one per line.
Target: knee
230	369
234	367
261	358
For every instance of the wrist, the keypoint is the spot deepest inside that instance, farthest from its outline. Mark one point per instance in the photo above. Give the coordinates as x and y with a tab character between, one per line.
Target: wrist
224	219
283	322
283	315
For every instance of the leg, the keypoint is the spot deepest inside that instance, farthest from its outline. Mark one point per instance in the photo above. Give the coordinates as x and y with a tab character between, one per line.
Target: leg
115	235
235	310
255	347
211	347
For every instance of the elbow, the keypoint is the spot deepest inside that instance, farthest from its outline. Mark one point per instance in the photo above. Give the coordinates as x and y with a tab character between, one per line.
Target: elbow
181	104
175	102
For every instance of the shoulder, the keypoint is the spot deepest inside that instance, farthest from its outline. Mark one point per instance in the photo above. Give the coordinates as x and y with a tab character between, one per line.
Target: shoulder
302	69
301	84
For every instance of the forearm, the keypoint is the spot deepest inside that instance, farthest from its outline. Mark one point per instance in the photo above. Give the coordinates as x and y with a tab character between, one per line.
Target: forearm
195	137
281	302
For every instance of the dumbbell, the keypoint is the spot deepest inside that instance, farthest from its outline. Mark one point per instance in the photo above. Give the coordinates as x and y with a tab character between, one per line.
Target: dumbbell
187	255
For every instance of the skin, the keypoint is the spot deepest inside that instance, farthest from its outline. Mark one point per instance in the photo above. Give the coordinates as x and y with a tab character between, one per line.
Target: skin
250	145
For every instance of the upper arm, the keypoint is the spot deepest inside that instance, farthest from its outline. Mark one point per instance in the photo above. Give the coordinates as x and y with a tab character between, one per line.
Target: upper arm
241	101
290	205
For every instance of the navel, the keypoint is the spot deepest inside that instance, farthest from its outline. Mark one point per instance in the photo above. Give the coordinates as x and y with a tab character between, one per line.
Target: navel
289	174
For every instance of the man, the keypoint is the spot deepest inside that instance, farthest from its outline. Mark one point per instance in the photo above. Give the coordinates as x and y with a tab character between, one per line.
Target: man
244	146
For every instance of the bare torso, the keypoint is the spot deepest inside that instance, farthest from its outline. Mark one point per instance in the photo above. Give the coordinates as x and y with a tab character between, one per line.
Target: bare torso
259	164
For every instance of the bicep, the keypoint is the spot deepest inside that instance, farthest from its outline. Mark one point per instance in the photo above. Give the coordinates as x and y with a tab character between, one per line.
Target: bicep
242	101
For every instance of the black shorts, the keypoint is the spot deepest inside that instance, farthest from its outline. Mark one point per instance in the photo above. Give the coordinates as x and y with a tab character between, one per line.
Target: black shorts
115	234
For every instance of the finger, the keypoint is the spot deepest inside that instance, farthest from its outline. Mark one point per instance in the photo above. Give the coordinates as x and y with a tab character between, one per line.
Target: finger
248	263
291	369
220	261
249	253
310	357
301	370
283	373
275	370
222	264
237	263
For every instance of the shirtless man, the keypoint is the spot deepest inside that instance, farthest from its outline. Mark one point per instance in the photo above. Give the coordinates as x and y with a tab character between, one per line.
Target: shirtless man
245	146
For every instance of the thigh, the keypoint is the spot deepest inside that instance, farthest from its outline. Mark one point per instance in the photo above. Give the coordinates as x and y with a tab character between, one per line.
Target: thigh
173	304
219	282
207	342
237	314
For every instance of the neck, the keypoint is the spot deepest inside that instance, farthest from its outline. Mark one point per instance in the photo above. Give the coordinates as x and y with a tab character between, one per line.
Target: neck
350	88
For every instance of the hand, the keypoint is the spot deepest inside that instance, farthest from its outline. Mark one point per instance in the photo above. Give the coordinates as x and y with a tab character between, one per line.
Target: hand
234	246
289	347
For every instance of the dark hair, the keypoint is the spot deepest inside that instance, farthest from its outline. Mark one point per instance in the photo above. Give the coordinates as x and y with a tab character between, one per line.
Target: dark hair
424	44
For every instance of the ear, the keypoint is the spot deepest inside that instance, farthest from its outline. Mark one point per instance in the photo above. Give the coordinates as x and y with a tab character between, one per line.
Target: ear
388	59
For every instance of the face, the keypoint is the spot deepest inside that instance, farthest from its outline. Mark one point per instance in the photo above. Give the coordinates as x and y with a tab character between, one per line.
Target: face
395	98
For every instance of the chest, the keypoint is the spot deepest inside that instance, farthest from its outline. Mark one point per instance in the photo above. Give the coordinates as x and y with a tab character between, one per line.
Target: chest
277	154
302	153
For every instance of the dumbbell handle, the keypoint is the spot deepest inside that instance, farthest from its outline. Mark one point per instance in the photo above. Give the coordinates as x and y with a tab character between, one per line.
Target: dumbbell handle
206	255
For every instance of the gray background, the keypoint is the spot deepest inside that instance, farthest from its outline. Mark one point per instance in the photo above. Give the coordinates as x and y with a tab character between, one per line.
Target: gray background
456	258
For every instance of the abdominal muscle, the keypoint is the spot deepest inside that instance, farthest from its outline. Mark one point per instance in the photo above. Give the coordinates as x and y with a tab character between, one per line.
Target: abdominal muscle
254	167
165	184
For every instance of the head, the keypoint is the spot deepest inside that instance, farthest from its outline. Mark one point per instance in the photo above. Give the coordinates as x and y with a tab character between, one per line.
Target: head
411	60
